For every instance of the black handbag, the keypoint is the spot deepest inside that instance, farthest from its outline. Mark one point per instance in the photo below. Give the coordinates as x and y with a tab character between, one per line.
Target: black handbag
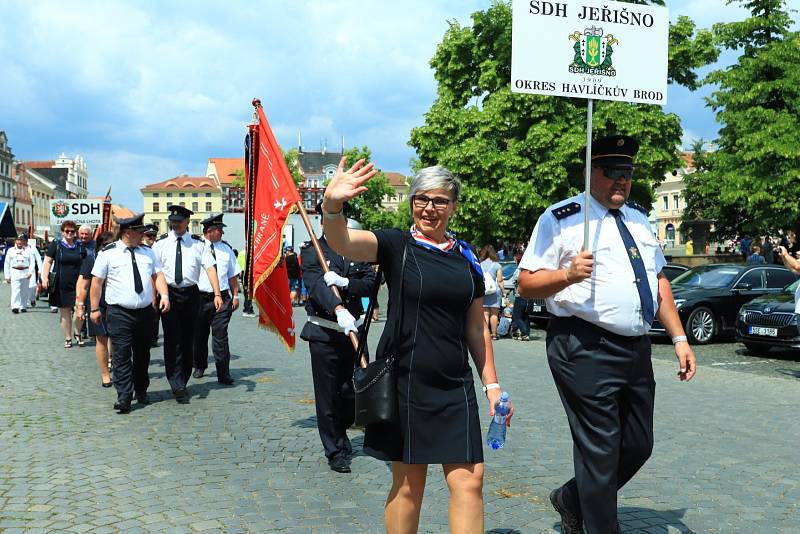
375	386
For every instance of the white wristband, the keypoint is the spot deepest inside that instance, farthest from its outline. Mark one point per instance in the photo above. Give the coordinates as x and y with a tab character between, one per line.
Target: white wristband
493	385
678	339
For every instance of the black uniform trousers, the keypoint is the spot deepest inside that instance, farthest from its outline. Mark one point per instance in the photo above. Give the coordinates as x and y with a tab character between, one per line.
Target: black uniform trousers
332	371
607	388
208	320
128	329
179	325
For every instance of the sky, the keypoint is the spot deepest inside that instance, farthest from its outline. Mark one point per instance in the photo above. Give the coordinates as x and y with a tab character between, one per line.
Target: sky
146	91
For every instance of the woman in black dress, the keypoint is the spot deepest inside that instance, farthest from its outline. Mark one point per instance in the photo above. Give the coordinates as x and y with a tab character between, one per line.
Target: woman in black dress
442	317
63	259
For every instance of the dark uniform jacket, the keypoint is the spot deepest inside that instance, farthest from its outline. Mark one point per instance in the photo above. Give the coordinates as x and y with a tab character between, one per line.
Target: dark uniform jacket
321	300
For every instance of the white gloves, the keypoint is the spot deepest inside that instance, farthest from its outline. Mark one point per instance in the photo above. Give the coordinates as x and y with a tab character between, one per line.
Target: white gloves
346	321
333	279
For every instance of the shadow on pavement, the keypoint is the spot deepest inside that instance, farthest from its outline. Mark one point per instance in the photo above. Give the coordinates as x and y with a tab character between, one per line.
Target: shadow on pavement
789	372
503	531
634	518
308	422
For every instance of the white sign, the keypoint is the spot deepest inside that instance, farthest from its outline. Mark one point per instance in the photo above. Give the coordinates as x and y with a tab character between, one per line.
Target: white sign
79	211
590	49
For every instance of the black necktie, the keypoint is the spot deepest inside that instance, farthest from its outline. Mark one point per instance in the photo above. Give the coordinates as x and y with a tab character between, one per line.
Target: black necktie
642	285
213	253
178	263
137	278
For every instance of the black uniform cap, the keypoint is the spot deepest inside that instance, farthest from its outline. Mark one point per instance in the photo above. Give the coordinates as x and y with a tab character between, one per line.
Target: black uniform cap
132	223
179	213
151	229
214	220
613	151
24	237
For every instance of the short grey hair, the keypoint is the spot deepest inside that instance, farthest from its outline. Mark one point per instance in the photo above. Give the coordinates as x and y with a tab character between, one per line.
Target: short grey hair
85	227
436	177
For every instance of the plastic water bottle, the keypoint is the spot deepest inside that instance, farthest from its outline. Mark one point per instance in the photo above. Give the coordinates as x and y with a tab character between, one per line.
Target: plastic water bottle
496	438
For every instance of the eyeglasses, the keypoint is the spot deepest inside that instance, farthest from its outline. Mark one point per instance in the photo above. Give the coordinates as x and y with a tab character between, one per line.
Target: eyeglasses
69	231
615	173
421	202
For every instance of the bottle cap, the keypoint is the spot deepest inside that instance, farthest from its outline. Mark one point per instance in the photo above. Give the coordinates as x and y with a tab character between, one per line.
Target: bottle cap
504	396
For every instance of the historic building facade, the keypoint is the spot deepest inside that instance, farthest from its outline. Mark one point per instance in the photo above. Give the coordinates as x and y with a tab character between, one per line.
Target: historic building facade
202	195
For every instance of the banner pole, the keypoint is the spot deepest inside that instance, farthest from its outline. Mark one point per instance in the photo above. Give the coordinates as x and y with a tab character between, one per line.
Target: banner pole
588	174
324	265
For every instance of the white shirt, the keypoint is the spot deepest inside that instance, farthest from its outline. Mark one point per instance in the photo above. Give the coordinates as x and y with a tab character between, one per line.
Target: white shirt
609	297
18	263
193	254
113	264
227	266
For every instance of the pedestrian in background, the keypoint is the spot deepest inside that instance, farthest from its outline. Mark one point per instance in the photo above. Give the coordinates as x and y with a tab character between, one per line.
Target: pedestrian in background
97	330
492	302
131	275
755	255
209	318
293	272
441	320
18	269
62	266
34	283
247	307
603	301
181	257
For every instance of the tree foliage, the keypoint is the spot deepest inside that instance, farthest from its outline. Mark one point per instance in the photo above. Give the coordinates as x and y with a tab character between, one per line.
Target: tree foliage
752	182
516	154
367	208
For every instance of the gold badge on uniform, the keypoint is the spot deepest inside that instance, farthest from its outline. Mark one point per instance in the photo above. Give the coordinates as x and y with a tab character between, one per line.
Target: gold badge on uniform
634	253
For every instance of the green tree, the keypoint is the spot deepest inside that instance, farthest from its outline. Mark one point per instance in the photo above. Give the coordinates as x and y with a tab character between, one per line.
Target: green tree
516	154
752	182
367	208
291	157
239	180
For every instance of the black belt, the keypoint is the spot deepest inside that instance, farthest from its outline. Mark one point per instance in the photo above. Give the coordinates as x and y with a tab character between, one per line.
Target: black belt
130	310
582	323
186	289
208	295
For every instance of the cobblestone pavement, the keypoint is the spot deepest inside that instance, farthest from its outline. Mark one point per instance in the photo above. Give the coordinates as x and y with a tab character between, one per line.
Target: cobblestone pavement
248	458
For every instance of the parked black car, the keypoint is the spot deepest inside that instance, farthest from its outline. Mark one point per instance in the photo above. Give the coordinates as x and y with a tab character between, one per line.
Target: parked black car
769	321
673	270
708	297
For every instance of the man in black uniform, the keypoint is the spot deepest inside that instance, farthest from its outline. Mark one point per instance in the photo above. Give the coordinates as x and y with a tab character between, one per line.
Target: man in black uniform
603	301
332	353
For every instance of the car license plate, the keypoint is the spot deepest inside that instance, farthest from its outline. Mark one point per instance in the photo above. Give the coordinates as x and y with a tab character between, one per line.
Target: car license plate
536	308
761	331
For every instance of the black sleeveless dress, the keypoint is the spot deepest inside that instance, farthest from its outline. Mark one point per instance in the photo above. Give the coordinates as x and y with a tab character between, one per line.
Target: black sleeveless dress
438	412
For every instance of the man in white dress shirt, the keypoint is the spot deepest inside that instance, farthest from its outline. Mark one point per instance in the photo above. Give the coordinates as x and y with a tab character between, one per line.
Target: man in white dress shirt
130	273
603	301
18	269
182	256
209	319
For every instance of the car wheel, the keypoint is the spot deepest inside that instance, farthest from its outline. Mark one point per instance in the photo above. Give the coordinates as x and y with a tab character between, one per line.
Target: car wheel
752	348
701	326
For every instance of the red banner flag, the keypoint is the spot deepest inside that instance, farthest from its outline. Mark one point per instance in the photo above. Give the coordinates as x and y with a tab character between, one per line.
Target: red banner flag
271	197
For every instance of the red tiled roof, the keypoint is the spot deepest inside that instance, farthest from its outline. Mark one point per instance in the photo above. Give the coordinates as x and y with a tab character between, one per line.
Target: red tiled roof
396	179
183	182
226	168
121	212
39	164
688	158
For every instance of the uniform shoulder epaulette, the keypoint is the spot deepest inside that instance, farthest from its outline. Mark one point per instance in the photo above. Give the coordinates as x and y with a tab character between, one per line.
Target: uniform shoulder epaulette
162	236
225	242
636	206
110	246
145	245
197	237
562	212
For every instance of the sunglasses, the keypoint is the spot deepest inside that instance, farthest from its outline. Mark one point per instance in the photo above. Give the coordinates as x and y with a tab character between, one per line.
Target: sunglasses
615	173
69	231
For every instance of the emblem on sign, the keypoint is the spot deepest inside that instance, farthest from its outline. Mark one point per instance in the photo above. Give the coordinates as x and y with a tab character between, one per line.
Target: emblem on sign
60	209
593	52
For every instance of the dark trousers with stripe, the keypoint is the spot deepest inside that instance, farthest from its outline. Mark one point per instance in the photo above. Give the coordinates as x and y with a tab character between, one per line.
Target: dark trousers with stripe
179	325
128	330
216	323
607	388
332	371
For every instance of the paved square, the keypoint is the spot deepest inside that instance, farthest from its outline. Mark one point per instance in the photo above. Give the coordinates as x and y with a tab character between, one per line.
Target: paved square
248	458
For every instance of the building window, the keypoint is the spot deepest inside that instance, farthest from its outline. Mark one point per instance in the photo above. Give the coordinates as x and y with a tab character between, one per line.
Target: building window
194	206
155	195
155	206
208	206
195	194
169	194
208	195
665	200
676	202
195	227
181	194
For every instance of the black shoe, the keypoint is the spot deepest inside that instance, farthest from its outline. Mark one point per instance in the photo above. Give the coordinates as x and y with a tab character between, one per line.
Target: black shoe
142	398
107	384
33	304
228	381
23	310
123	406
182	395
198	373
339	463
571	523
14	310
